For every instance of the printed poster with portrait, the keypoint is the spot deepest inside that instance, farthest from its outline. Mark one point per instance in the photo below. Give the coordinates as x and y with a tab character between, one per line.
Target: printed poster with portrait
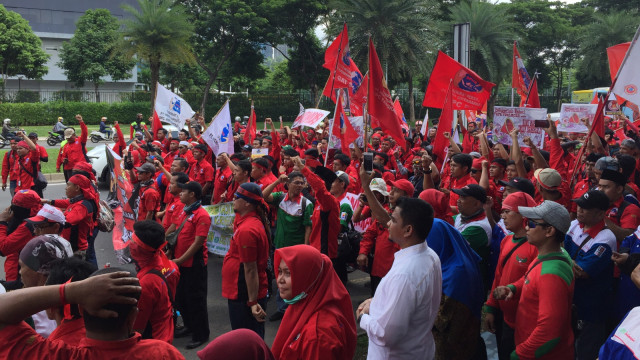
571	116
506	118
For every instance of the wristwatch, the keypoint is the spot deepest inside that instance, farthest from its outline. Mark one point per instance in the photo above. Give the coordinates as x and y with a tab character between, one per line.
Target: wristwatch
251	303
428	171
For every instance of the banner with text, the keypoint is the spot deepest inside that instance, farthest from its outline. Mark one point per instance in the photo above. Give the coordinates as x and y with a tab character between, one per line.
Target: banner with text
571	116
221	230
507	118
310	118
124	214
360	226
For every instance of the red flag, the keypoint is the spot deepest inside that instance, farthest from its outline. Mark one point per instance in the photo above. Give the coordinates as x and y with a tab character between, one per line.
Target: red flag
380	104
344	72
342	128
468	90
520	79
156	125
441	144
250	131
398	109
598	120
616	54
360	97
532	100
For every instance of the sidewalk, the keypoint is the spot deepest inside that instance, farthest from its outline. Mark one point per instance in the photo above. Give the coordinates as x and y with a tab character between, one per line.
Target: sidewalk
54	178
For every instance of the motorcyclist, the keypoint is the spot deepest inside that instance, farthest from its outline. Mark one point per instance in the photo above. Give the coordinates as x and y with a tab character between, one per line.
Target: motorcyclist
59	127
7	131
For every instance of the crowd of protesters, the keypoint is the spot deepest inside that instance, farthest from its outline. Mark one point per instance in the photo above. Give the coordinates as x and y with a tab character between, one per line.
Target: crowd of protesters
533	244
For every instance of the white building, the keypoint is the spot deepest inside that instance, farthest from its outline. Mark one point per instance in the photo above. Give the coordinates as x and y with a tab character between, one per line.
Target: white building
54	21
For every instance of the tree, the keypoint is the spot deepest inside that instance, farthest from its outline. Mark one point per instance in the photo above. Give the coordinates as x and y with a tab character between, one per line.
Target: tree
304	65
490	41
277	79
606	31
404	32
158	33
91	54
20	49
224	29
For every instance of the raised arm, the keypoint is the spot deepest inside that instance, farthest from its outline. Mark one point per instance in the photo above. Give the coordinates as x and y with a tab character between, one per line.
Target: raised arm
377	211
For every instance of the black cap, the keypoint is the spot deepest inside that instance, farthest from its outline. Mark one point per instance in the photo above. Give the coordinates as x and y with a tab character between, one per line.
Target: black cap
474	190
593	199
247	148
328	176
33	135
614	176
192	186
201	147
520	184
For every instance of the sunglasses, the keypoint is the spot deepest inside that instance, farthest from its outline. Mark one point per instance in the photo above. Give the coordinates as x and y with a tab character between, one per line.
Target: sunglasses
473	171
532	224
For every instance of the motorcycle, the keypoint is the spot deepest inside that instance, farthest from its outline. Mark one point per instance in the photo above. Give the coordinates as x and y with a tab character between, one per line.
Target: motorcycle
55	138
5	140
97	136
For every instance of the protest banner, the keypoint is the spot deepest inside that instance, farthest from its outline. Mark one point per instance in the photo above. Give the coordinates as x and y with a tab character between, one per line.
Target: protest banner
125	214
507	118
571	116
171	108
218	135
259	152
221	230
309	118
360	226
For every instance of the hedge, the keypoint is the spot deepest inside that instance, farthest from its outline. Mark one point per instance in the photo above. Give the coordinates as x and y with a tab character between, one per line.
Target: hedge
33	114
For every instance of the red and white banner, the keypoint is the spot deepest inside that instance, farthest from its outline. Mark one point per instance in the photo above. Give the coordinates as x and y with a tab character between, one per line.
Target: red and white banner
571	116
310	117
507	118
360	226
124	215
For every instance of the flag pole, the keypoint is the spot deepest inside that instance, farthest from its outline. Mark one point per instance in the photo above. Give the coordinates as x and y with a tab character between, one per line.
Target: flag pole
216	115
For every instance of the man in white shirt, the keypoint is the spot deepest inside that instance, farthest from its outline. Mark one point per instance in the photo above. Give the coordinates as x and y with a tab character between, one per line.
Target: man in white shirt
399	318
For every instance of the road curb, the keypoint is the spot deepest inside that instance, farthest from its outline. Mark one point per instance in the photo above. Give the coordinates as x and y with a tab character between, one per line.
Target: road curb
54	178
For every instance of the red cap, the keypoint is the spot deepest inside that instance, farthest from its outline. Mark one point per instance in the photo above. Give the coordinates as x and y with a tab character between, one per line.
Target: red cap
27	199
477	164
516	199
404	185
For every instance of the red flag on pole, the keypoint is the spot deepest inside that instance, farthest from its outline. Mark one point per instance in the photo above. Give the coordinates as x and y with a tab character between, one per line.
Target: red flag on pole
441	144
616	54
380	104
250	132
342	128
398	109
468	90
532	100
156	125
344	72
360	97
520	79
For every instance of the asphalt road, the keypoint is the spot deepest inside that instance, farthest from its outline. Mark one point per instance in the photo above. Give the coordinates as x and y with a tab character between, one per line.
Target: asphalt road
217	305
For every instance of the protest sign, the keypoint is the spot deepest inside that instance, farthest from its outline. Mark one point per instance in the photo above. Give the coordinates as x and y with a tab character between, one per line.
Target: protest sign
310	118
221	230
171	108
571	116
125	214
507	118
259	152
360	226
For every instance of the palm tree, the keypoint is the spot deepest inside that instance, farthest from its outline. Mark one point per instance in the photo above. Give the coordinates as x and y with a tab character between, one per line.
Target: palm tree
158	33
492	35
404	32
605	31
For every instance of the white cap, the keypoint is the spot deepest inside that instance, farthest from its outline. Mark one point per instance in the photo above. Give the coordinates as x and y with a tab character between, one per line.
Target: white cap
48	213
184	143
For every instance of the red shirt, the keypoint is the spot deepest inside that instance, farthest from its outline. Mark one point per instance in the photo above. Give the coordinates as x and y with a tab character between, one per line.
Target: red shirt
11	245
154	306
580	189
223	177
73	151
496	191
78	214
248	244
198	224
169	157
20	341
149	201
458	184
630	216
514	268
26	172
8	170
172	211
376	238
324	234
202	172
71	332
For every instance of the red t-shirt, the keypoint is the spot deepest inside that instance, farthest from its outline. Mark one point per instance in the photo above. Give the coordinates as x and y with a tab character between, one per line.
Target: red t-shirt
248	244
202	172
25	172
198	224
458	184
79	221
580	189
20	341
154	305
630	217
223	177
149	201
71	332
172	211
376	238
11	245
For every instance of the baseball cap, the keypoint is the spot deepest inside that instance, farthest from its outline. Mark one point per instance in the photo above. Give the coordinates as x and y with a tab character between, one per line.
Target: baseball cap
192	186
146	167
474	190
548	178
404	185
513	201
138	135
520	184
343	176
475	154
40	251
68	133
607	163
48	213
551	212
379	185
476	164
593	199
33	135
247	148
27	199
183	143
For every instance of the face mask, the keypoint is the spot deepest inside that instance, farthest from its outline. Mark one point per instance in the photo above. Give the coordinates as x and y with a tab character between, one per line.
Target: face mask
303	294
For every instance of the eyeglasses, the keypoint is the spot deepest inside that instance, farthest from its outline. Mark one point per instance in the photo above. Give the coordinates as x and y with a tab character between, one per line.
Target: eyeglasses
532	224
473	171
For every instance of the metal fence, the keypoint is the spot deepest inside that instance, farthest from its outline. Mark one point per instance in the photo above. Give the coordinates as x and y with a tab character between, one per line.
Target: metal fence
43	96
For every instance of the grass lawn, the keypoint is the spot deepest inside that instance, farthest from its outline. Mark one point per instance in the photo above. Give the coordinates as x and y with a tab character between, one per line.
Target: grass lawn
44	130
48	167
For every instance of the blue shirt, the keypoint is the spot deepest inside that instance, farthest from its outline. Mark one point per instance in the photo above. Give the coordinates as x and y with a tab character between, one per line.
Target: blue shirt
628	293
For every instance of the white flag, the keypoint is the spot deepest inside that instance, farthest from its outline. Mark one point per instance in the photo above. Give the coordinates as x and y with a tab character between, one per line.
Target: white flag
218	135
423	129
171	108
627	81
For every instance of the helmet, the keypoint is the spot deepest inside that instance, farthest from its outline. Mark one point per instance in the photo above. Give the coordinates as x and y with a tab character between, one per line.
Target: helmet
238	118
60	118
6	121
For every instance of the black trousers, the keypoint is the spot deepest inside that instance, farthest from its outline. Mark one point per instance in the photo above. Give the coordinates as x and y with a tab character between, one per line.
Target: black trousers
241	317
340	266
191	300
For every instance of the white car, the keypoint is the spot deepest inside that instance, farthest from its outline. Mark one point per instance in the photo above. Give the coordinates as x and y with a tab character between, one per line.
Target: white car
98	156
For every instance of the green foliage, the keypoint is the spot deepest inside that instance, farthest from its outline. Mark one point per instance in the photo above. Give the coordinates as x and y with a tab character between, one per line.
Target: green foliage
276	80
158	33
92	52
69	95
27	96
607	30
20	49
26	114
305	65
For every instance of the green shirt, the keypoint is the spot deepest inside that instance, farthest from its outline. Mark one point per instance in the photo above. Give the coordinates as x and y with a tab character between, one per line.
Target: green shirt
346	212
292	219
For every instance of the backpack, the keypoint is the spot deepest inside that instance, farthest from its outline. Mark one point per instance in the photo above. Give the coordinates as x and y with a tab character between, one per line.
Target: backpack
349	243
106	217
